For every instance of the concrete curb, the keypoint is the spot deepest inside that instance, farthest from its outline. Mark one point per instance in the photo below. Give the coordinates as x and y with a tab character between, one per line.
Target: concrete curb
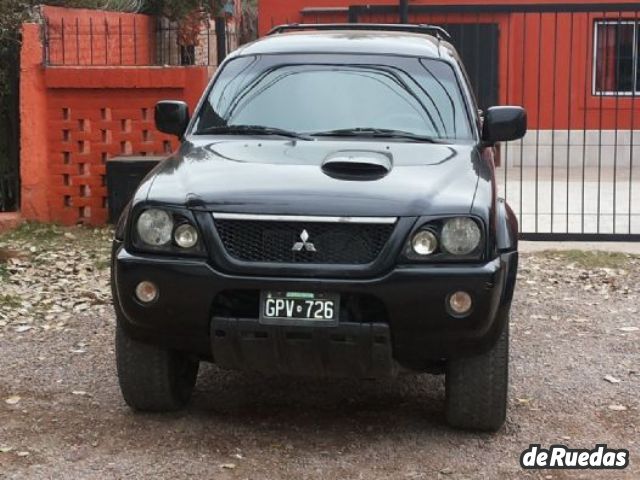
623	247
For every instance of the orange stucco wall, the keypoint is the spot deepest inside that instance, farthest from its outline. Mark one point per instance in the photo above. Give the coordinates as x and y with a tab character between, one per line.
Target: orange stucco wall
74	119
33	125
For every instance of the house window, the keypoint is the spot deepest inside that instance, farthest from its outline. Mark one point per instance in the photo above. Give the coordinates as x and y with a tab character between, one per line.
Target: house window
617	48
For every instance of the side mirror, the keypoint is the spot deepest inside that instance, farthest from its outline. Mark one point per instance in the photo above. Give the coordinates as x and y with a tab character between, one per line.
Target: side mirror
502	124
172	117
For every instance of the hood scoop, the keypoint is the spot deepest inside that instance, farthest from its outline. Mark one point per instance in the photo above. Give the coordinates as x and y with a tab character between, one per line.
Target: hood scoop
358	165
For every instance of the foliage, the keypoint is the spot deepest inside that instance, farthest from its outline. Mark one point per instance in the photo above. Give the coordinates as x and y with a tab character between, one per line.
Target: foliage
133	6
249	21
10	301
12	14
177	10
34	231
172	9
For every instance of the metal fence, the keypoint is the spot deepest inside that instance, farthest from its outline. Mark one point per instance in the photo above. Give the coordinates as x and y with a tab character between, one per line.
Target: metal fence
575	68
138	41
208	47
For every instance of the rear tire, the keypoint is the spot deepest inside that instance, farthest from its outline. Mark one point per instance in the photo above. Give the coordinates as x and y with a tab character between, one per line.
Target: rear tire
477	387
153	379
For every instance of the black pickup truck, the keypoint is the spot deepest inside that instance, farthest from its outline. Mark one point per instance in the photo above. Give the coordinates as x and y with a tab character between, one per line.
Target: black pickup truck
332	211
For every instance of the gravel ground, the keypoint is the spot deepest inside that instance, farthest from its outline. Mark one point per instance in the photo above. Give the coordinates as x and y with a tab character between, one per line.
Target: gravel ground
575	380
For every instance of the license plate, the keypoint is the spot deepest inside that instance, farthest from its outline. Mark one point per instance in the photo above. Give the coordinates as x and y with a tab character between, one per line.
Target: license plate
299	308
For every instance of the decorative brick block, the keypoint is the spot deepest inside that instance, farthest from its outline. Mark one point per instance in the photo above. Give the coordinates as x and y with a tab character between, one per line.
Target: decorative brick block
89	127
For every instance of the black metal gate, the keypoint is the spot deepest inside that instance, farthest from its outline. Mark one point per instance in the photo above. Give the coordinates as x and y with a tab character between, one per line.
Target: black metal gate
576	69
9	129
480	60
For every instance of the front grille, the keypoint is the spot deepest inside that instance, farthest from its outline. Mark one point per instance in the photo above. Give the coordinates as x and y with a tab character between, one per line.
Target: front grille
273	241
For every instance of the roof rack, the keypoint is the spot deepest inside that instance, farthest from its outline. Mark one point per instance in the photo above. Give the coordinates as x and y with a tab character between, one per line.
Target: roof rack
422	28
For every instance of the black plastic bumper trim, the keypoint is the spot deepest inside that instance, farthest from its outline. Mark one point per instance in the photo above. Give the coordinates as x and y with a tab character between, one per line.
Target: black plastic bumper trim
350	350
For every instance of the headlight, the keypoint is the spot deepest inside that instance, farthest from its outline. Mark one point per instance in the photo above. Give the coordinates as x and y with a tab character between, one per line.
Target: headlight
460	236
155	227
186	236
424	242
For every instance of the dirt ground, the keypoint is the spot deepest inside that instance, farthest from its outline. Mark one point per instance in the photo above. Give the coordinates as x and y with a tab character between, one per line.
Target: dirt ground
575	380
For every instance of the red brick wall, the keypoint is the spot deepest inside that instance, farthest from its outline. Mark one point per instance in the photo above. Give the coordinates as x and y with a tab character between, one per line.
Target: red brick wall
75	119
88	125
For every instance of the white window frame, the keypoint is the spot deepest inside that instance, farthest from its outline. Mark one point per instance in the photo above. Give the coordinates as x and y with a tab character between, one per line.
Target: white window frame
636	32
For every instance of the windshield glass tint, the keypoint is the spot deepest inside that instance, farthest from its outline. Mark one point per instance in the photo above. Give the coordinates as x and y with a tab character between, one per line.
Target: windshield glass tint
320	93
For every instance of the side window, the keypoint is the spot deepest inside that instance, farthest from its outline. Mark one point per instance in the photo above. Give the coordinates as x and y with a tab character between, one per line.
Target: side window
476	113
229	83
442	85
617	57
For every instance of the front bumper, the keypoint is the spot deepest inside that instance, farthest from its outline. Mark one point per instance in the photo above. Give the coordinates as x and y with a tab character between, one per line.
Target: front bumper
420	330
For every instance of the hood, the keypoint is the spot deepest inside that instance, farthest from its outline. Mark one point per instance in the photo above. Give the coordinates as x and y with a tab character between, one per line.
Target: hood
298	177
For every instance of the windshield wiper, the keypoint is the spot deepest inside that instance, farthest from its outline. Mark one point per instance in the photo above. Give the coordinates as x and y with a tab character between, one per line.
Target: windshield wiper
376	133
251	130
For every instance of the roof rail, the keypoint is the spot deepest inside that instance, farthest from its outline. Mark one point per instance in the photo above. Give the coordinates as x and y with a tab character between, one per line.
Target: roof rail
390	27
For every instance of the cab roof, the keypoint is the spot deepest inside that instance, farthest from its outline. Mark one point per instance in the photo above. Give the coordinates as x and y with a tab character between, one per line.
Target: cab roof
350	41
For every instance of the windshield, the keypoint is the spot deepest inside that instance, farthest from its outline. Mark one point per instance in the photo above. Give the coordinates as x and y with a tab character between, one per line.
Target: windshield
321	94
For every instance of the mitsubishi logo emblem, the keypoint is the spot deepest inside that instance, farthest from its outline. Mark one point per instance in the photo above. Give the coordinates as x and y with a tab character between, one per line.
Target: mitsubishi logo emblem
305	244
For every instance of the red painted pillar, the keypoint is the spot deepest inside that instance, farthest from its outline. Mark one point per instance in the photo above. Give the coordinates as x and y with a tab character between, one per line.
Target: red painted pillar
196	80
34	155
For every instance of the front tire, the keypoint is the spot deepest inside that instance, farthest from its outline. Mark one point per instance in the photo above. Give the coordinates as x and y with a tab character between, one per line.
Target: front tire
153	379
477	387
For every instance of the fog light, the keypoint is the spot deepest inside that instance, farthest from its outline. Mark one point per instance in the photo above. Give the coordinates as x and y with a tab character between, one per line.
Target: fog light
146	292
460	303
